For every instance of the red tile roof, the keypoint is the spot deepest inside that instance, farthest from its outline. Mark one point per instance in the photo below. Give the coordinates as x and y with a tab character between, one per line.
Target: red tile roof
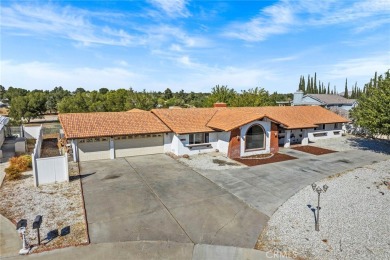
188	120
291	117
83	125
191	120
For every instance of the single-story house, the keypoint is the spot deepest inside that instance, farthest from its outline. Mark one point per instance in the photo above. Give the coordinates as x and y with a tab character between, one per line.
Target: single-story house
236	132
324	100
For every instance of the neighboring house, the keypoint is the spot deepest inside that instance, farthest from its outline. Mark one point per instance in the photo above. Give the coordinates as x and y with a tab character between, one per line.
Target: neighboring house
3	122
236	132
324	100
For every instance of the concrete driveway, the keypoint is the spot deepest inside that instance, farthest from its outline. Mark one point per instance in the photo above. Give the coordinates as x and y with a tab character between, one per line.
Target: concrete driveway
266	187
156	198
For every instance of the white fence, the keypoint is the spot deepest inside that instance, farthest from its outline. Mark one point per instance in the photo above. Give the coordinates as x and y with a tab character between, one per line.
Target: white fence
32	131
52	169
47	170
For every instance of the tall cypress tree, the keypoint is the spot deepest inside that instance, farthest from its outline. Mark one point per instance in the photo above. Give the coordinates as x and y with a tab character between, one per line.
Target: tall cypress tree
308	84
328	88
311	85
346	89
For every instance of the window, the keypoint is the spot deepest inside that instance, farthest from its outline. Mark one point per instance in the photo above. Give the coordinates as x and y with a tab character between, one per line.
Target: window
199	138
335	126
323	126
254	138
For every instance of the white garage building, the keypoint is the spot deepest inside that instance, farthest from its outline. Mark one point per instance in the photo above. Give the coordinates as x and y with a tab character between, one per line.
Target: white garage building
109	135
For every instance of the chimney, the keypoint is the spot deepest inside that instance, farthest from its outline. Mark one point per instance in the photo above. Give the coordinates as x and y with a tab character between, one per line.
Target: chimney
298	96
220	104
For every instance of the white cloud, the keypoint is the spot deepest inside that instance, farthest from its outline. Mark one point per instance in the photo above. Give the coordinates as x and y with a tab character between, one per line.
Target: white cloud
362	68
39	75
286	16
172	8
272	20
68	22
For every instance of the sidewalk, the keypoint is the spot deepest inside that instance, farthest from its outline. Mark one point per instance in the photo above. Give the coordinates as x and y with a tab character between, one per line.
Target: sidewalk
10	243
153	250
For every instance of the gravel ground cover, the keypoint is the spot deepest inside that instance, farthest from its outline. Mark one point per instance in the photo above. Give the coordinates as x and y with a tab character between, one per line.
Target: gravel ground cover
313	150
351	142
60	204
354	218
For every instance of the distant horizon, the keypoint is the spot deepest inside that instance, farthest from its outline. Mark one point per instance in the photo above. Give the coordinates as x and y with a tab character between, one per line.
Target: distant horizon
192	45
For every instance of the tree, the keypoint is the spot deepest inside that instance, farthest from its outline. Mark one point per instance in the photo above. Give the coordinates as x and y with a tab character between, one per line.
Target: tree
346	89
103	90
14	92
74	104
220	94
2	91
25	108
372	111
79	90
168	94
256	97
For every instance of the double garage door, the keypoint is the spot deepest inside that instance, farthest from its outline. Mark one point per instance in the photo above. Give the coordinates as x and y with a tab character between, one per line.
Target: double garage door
99	148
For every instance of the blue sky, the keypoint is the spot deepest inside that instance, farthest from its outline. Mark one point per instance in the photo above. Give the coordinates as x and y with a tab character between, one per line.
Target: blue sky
192	45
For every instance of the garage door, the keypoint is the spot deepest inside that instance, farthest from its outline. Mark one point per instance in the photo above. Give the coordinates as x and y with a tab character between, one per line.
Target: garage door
94	149
138	145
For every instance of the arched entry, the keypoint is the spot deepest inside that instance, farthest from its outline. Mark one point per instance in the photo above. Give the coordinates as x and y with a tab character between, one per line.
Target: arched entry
255	138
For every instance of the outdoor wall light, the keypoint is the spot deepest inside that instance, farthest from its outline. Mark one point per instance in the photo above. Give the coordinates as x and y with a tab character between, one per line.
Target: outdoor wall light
319	190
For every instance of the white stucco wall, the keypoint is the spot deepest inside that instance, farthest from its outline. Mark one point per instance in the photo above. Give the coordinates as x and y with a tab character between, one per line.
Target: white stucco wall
244	129
168	137
223	142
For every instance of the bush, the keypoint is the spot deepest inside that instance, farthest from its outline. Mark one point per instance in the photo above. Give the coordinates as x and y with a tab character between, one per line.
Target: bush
12	173
17	166
21	163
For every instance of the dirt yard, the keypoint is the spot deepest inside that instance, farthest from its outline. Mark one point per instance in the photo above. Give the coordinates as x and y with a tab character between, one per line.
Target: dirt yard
61	206
313	150
259	159
49	148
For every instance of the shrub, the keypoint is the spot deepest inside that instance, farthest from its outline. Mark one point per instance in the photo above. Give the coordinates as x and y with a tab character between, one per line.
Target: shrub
17	166
12	173
21	163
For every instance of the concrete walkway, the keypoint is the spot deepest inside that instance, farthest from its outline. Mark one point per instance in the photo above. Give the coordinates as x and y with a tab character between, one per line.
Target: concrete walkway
10	243
152	250
266	187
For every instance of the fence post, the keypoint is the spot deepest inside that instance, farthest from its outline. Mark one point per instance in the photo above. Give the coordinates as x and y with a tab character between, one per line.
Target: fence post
35	170
66	168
